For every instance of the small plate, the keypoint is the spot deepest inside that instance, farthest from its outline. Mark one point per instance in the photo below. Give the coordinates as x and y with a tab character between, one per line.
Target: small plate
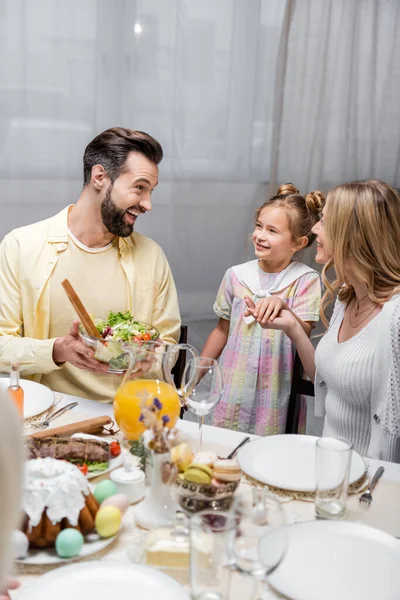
102	580
49	556
115	462
329	560
37	397
288	462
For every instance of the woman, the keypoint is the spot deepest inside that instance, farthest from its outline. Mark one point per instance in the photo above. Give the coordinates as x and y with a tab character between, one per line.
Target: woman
11	461
356	366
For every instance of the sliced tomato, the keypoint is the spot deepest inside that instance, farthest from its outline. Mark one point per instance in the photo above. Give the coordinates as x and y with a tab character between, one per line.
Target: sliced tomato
146	337
83	469
115	449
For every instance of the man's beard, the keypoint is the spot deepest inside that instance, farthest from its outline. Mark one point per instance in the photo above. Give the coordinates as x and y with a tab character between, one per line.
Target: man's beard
113	217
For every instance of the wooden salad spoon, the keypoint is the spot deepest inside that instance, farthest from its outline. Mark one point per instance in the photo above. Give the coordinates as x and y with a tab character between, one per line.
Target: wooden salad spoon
80	310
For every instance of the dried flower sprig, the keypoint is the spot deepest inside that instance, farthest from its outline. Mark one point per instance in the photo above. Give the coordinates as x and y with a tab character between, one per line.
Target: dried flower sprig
157	436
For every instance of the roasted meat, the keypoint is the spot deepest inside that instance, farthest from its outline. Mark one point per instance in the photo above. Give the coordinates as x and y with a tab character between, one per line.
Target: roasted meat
77	450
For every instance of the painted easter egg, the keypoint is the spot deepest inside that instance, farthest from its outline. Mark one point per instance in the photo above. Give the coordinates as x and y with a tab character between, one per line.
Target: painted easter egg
108	521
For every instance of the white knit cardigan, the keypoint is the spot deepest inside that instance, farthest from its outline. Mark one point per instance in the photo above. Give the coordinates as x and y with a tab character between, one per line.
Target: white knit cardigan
385	397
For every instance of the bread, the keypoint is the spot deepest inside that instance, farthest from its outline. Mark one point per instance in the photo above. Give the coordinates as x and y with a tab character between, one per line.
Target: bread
56	495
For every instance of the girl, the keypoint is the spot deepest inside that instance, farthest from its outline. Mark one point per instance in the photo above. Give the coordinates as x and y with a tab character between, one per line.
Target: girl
257	364
357	363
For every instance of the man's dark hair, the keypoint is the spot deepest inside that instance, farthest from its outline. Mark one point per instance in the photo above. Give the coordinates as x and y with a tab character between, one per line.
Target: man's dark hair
112	147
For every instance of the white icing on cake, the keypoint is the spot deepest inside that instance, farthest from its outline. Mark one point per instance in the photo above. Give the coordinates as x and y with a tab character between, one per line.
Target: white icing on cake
56	486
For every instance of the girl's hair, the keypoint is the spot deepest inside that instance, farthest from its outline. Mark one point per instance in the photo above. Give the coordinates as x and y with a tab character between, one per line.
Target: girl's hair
362	226
303	213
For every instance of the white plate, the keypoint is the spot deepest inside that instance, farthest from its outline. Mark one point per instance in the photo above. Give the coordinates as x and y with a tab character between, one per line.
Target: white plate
103	580
50	556
37	397
288	462
115	462
329	560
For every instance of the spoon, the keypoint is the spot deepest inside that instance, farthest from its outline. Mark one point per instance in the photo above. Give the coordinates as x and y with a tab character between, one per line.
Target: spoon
237	448
80	310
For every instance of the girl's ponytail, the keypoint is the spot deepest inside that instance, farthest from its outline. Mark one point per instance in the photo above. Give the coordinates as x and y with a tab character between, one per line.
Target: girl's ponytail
315	202
287	189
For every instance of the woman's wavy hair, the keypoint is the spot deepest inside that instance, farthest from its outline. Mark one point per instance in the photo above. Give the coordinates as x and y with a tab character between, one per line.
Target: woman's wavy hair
362	228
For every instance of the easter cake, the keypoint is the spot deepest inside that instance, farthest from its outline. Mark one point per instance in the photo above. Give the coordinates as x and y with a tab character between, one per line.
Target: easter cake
56	496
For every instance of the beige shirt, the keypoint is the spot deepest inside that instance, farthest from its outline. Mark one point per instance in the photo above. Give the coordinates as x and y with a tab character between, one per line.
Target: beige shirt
29	257
112	294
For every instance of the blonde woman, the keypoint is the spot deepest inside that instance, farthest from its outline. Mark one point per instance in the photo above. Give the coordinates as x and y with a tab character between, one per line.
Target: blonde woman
11	463
356	366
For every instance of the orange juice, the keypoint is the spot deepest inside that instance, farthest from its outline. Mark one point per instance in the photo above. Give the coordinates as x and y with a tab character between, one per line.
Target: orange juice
128	401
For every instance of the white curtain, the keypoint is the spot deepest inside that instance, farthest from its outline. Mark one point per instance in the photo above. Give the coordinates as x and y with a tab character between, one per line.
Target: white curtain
196	74
340	117
239	92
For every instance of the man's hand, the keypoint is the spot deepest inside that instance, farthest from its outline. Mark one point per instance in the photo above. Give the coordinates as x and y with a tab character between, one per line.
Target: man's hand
72	349
12	584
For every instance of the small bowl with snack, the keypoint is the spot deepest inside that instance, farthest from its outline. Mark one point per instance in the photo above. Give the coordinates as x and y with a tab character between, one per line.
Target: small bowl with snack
120	332
205	482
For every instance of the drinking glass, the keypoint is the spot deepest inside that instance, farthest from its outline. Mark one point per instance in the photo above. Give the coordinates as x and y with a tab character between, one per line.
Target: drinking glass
332	461
210	570
202	388
260	541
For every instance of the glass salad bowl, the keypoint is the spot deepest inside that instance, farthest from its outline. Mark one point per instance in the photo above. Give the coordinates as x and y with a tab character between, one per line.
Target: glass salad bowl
120	332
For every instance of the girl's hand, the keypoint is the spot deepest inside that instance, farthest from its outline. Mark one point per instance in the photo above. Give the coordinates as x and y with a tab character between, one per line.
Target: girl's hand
267	309
12	584
250	306
280	317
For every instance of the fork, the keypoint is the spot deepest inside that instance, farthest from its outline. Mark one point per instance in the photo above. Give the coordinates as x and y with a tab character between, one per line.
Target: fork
366	498
55	415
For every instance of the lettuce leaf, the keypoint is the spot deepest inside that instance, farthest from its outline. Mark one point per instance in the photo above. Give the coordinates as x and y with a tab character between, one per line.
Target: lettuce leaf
97	466
92	466
114	318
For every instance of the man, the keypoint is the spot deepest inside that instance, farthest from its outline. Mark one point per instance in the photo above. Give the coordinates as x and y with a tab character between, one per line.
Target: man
110	266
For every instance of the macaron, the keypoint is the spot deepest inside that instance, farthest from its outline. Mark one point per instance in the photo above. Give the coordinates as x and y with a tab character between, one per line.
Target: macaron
198	474
182	455
227	470
205	458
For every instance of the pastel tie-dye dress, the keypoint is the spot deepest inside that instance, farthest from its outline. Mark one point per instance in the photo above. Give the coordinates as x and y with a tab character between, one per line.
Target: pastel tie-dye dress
257	363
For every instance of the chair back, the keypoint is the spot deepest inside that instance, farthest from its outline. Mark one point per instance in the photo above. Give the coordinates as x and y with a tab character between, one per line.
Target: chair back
177	371
300	387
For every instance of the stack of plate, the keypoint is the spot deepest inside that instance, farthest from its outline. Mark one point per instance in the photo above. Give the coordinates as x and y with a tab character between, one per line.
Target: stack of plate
103	580
288	462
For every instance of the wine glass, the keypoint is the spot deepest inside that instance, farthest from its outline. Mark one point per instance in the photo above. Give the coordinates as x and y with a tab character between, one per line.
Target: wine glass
202	388
260	541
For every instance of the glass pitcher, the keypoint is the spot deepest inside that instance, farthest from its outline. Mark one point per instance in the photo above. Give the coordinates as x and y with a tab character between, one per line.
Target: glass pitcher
148	377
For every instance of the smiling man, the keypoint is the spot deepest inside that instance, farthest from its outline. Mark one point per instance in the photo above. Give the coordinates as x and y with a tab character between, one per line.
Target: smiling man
111	267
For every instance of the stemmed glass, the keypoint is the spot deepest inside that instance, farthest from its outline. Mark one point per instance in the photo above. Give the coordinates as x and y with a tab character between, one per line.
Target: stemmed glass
260	541
202	388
